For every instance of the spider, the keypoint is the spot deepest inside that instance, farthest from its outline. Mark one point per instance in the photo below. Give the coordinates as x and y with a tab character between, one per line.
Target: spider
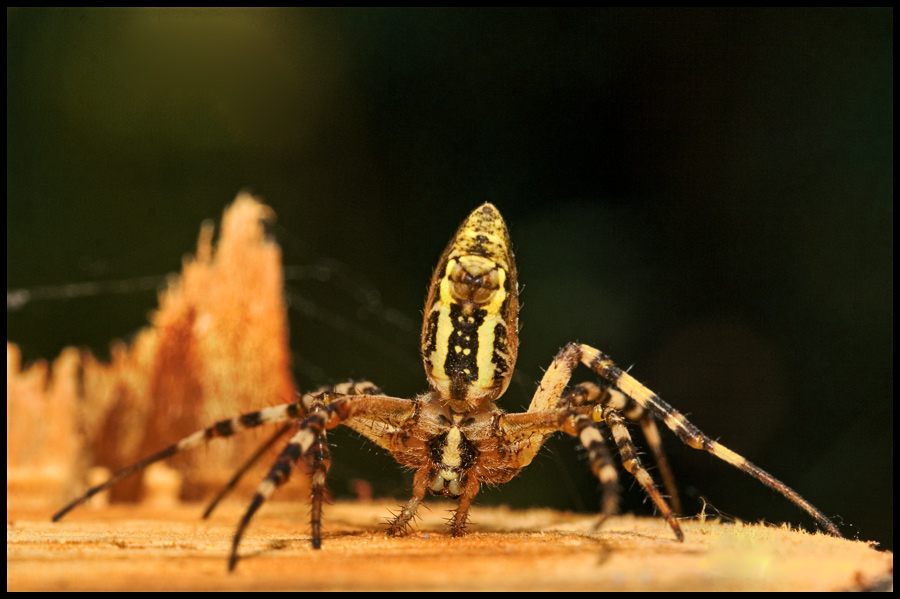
454	436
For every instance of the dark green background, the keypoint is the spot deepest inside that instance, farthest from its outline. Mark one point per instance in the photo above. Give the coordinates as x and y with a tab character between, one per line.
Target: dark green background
704	194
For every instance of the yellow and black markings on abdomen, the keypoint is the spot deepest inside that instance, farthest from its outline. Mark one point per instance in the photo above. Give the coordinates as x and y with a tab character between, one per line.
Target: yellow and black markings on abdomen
461	363
470	334
466	345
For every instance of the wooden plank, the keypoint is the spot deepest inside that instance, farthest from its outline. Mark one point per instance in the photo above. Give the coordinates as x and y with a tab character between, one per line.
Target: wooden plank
141	547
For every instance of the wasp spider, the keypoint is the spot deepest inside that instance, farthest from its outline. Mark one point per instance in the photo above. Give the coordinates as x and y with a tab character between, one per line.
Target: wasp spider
454	436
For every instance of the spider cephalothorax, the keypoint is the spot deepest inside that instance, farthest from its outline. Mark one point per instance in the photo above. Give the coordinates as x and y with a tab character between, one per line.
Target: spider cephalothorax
454	436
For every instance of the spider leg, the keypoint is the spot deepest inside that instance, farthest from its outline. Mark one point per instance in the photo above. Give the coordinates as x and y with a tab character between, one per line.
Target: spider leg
347	388
581	421
651	434
223	428
590	393
596	444
319	458
632	464
324	413
408	511
243	469
461	515
689	434
602	466
296	447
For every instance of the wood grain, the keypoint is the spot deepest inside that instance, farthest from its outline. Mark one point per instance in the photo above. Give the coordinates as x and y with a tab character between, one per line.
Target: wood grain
140	547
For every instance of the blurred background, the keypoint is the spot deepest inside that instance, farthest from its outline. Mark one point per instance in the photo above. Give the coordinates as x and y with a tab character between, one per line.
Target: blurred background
706	195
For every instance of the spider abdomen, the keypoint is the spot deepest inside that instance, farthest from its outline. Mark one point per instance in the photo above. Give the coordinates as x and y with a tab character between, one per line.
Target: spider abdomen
470	333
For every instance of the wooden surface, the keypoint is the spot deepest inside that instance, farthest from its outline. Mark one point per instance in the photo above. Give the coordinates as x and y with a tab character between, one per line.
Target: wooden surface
140	547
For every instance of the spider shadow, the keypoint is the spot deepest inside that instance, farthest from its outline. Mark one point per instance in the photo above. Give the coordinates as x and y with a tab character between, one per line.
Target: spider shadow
288	543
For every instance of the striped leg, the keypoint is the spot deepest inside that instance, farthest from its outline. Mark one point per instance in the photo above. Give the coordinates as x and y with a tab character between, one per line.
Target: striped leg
591	394
580	421
223	428
243	469
633	465
687	432
319	458
348	388
651	434
325	412
297	446
595	442
309	441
